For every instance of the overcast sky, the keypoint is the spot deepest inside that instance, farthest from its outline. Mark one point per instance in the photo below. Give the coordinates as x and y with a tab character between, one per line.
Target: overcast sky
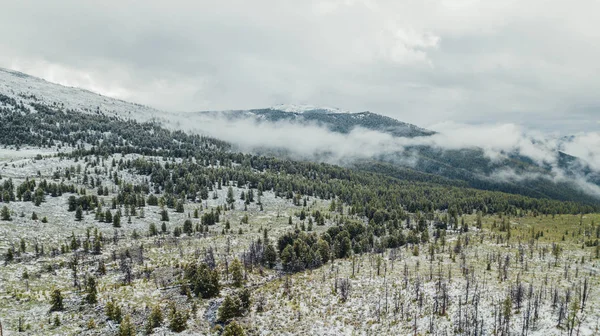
534	63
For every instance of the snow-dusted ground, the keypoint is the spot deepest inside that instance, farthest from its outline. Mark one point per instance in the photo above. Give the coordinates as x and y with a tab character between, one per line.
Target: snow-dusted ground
313	308
298	108
384	304
27	152
29	89
29	299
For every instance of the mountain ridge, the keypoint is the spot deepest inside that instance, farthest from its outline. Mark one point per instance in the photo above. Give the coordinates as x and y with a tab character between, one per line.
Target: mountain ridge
469	165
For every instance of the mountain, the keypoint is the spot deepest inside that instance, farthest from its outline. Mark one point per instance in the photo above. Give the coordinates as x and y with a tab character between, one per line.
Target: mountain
335	120
570	180
96	218
52	114
29	90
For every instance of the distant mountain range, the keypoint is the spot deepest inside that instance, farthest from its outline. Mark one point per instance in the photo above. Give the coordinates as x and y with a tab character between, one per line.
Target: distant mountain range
335	120
418	161
515	173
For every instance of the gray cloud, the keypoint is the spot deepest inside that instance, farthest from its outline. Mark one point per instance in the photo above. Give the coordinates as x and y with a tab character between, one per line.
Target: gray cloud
421	62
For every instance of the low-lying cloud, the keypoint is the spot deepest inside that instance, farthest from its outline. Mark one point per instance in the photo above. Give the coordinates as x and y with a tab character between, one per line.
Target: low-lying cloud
310	141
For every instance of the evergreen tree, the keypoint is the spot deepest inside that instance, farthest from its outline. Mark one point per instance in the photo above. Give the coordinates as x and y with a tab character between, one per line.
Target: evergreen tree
270	256
177	232
425	236
233	329
230	308
177	320
5	213
230	196
127	328
188	228
164	215
179	207
101	267
152	231
79	214
237	273
155	319
91	290
10	256
56	301
152	200
113	311
108	218
117	220
204	281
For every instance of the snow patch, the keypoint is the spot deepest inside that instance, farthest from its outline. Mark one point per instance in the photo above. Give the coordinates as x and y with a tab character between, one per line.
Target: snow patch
300	108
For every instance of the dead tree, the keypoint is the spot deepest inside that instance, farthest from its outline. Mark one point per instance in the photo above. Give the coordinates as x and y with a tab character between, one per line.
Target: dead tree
585	293
74	263
344	288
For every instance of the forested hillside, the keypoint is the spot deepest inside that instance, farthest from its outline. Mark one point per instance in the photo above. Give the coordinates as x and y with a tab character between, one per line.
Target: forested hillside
111	225
93	134
410	148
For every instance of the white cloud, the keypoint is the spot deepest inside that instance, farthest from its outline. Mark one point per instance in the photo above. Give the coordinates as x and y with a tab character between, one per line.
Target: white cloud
585	146
313	142
419	61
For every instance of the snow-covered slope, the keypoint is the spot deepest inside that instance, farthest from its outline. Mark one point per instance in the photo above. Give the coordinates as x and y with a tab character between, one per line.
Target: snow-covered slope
28	90
295	108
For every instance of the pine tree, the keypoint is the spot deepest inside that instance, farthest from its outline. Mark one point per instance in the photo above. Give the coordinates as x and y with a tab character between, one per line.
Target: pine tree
91	290
155	319
270	256
237	273
164	215
229	309
177	232
233	329
206	282
425	236
10	256
126	328
188	228
177	320
101	267
79	213
108	216
5	213
117	220
180	207
152	231
113	311
230	196
56	301
91	324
